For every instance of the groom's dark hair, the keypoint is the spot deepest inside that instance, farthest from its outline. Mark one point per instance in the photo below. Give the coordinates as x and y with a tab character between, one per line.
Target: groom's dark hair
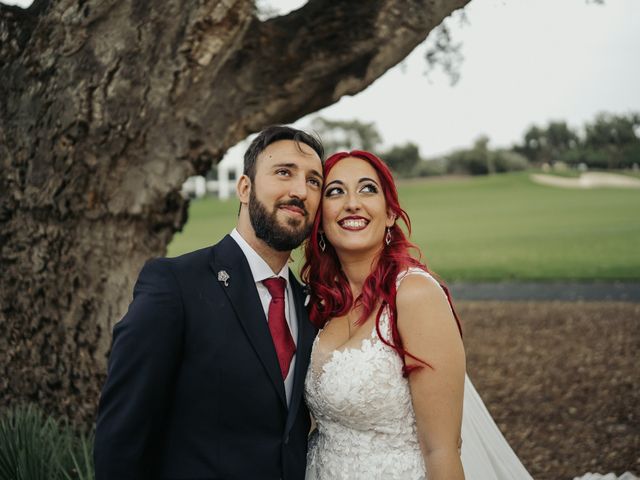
273	134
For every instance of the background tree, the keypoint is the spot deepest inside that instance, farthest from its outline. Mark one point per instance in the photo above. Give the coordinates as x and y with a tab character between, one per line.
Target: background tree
481	160
443	52
475	161
106	107
345	135
548	144
609	142
402	159
340	135
615	137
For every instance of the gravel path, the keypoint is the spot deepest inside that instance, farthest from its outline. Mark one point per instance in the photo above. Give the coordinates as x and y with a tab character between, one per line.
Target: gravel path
561	380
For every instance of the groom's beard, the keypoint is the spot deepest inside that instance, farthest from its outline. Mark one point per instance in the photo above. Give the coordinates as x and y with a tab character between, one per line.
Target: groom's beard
268	229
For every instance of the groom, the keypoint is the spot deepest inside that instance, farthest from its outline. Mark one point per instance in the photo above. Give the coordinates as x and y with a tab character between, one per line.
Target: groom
207	368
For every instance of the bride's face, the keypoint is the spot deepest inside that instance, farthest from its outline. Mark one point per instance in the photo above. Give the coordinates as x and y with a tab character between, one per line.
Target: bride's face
354	210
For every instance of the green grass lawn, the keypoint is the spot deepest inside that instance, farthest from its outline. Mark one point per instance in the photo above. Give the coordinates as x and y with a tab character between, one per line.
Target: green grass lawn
502	227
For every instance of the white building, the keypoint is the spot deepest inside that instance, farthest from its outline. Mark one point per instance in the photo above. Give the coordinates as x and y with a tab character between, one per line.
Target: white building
229	170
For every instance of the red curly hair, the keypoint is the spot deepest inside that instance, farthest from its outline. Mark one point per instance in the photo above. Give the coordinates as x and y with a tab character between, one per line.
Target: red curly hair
330	293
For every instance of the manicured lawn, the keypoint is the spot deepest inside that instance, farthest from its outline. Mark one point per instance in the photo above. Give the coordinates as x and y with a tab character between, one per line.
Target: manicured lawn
501	227
209	220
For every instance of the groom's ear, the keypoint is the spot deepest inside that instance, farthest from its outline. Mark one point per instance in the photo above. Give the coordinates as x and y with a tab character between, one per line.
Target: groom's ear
243	188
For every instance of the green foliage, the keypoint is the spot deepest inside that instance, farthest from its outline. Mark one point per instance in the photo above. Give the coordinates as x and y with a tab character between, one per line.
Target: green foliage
430	168
467	162
609	142
481	160
630	155
612	130
36	447
508	161
402	159
616	136
594	159
474	161
544	145
442	51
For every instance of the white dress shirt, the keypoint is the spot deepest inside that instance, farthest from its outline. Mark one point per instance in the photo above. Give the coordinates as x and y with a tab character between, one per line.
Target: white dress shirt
261	271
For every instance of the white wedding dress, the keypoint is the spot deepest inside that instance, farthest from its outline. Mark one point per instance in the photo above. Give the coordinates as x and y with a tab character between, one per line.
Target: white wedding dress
366	426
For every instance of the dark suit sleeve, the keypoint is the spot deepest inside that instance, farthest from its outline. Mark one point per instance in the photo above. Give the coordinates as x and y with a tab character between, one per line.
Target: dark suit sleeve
144	358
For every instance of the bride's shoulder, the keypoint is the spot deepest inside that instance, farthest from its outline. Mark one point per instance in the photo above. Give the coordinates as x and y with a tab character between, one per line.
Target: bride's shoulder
416	280
425	317
418	292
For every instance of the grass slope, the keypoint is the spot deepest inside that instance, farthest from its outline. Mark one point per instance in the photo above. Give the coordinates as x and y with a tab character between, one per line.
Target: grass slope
501	227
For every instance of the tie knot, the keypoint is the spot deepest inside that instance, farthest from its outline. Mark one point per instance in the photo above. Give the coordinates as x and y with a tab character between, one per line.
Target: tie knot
275	286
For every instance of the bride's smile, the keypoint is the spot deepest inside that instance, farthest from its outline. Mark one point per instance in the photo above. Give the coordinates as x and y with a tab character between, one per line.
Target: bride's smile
353	223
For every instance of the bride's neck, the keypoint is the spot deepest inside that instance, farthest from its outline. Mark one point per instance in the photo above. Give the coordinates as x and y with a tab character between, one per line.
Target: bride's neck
357	269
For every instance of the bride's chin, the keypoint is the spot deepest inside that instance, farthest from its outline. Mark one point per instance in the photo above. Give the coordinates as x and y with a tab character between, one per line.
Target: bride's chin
345	252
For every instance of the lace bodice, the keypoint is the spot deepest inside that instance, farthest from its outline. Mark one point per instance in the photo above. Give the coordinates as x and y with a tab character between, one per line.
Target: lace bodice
362	405
366	424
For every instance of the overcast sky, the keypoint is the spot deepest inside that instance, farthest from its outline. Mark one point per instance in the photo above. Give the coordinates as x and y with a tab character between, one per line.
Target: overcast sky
525	61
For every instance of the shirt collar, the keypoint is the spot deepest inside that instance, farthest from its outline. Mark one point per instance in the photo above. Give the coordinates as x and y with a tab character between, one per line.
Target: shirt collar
259	268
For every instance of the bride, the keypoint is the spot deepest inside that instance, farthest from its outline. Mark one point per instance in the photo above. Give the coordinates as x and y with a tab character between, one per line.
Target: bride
387	384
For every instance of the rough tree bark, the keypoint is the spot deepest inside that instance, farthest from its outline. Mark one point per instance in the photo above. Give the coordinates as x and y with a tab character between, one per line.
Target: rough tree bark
106	107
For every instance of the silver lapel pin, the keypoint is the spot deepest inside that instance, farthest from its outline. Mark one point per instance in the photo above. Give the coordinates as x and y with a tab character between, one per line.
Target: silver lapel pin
223	276
307	291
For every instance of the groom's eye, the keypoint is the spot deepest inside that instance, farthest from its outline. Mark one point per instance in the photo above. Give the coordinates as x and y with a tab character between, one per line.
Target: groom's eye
315	182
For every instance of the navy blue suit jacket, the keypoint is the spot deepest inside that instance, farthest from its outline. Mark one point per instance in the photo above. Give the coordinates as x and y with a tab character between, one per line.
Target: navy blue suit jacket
194	389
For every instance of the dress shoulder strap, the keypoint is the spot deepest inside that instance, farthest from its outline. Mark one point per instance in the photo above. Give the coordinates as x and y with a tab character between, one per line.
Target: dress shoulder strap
413	271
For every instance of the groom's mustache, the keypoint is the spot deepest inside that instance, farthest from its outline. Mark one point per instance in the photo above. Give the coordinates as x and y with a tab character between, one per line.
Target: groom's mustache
294	202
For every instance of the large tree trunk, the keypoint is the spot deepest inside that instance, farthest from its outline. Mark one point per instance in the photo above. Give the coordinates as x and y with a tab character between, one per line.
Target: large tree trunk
106	107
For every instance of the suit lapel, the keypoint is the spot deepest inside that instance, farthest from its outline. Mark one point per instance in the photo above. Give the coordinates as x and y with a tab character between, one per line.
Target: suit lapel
306	334
243	296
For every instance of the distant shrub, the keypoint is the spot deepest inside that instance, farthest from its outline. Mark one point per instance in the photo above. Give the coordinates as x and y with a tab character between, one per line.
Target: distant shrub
508	161
402	159
630	155
593	159
34	446
468	162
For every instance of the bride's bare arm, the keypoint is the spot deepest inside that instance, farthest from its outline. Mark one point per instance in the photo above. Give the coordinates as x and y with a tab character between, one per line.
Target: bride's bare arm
428	330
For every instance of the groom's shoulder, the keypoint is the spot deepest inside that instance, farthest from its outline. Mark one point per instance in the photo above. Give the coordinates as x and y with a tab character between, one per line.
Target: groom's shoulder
202	259
185	264
195	257
202	255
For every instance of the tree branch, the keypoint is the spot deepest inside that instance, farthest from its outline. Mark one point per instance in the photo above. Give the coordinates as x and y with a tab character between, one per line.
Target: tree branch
312	57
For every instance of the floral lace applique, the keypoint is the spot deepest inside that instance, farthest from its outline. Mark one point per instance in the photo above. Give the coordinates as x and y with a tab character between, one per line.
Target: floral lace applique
366	426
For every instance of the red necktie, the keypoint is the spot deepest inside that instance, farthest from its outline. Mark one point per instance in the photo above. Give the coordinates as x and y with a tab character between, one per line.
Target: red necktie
282	339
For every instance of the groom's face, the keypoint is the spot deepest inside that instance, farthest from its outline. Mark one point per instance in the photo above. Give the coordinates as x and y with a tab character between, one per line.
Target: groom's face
285	194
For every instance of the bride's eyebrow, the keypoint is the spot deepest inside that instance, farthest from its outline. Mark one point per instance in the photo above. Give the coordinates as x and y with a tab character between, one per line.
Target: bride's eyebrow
367	179
339	182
